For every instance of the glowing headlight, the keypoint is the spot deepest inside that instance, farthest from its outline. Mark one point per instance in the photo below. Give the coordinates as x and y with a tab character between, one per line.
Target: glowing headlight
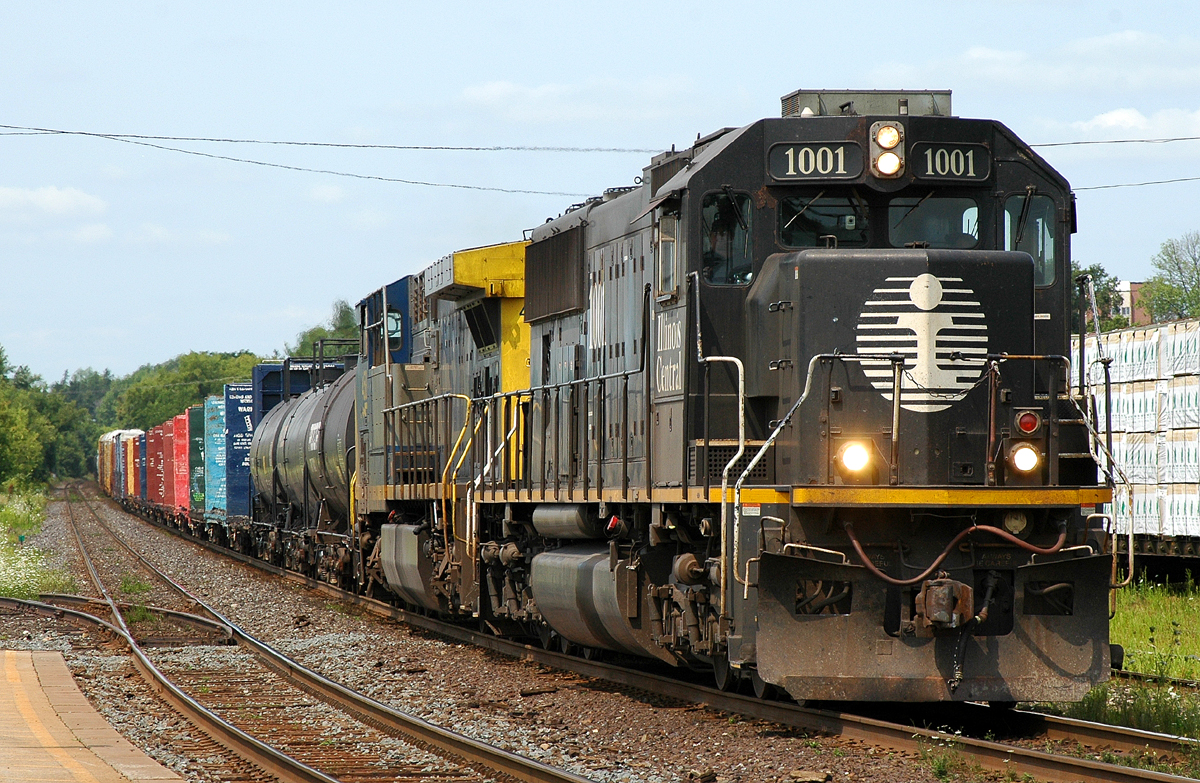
888	163
888	137
1025	458
854	457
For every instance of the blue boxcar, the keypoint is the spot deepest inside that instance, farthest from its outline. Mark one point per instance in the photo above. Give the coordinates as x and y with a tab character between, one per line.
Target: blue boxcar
214	458
268	383
239	427
142	466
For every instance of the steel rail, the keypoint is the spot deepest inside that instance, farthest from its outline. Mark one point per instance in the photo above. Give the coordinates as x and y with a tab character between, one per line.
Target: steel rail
1057	727
472	752
194	620
239	742
989	754
1154	679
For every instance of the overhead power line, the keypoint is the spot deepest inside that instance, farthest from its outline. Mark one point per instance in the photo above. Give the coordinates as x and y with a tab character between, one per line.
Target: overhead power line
377	178
1139	184
1115	141
147	140
21	130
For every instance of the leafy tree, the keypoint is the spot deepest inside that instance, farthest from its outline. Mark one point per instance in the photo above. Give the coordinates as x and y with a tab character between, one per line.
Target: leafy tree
156	393
343	323
85	388
1173	292
21	433
1108	298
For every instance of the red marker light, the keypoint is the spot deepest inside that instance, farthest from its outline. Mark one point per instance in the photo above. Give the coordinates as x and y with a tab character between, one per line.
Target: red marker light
613	525
1028	422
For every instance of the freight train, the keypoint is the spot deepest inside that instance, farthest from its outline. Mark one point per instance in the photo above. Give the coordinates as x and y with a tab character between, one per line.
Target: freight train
796	408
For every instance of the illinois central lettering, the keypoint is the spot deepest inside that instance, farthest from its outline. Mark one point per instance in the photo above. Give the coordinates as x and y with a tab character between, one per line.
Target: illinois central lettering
668	358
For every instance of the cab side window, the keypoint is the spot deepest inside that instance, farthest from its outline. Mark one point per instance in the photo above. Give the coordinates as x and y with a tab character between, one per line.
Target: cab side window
1030	222
667	257
727	256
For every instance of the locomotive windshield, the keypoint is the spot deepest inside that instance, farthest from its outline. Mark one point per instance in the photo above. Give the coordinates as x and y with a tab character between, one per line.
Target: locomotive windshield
933	221
805	221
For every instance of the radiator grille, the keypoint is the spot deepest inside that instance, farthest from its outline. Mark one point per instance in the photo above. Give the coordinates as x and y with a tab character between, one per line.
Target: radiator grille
719	456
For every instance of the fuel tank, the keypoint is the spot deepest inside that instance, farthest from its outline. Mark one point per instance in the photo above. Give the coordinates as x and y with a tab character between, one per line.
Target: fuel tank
299	452
575	591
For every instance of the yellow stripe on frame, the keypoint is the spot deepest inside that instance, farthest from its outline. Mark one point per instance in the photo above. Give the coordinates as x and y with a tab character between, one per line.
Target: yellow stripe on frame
948	496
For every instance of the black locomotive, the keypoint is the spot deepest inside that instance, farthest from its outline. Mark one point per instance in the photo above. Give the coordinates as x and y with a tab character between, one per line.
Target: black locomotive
797	408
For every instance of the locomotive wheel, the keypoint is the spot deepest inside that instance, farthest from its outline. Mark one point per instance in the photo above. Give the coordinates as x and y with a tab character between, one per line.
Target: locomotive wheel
762	689
727	678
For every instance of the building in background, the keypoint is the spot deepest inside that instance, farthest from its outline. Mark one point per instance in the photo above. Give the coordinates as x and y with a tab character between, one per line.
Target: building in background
1131	303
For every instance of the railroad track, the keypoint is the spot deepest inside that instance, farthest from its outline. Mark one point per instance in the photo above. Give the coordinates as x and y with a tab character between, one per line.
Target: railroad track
287	720
1086	737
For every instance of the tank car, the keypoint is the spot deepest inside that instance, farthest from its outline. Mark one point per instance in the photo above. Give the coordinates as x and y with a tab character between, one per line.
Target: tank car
796	407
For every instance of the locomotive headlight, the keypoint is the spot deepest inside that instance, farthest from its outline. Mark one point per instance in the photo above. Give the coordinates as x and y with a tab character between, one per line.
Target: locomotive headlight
887	149
854	457
1025	457
888	137
888	163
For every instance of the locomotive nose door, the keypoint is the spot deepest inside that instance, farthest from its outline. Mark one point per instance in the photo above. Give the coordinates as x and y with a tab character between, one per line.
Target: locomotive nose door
667	336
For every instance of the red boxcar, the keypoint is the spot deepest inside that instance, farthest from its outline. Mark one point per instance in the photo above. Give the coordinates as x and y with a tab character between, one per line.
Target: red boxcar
180	463
154	466
168	461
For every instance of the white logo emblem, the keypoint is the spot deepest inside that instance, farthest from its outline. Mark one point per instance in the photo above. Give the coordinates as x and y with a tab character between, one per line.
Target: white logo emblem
939	330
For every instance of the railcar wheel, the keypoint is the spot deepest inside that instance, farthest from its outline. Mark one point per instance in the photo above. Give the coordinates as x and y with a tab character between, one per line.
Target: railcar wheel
727	678
763	689
546	637
593	653
566	646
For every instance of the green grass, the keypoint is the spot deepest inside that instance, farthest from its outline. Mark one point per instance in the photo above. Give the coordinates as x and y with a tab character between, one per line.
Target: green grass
1154	624
1157	627
132	585
947	762
140	614
23	570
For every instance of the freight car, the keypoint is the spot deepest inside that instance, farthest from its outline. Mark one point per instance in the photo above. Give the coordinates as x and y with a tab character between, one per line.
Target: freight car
796	407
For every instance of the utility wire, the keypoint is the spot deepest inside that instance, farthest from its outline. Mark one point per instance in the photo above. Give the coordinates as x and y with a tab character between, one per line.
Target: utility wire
337	173
1139	184
146	141
20	130
1116	141
25	130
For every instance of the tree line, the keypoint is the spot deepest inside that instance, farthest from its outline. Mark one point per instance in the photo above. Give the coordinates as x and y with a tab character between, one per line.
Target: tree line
50	429
1171	293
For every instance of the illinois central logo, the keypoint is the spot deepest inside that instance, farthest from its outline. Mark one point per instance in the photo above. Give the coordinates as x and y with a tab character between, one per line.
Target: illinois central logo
937	324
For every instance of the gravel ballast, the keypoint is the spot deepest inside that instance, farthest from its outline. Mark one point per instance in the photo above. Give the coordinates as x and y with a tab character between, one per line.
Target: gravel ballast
593	728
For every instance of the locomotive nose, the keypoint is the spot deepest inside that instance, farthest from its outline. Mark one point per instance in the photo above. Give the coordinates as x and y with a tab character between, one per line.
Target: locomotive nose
942	312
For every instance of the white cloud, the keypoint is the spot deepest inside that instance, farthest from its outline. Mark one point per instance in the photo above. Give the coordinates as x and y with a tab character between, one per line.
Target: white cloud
1161	124
50	200
213	238
328	194
369	219
151	234
92	233
1128	61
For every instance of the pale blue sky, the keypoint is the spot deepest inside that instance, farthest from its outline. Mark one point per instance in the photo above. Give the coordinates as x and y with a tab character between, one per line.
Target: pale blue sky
116	255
